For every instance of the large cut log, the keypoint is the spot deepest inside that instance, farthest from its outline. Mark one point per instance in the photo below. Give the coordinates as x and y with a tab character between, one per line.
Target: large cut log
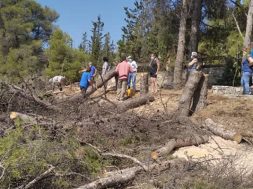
118	178
187	95
200	94
134	103
144	84
100	83
219	130
32	120
177	143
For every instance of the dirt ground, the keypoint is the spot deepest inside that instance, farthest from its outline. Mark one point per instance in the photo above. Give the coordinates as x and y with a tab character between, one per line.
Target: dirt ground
139	131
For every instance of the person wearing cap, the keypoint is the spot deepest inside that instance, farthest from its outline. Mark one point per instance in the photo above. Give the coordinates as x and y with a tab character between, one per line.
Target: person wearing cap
132	75
246	73
123	69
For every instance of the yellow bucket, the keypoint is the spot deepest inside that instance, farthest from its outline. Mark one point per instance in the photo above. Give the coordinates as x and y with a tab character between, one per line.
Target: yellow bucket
130	92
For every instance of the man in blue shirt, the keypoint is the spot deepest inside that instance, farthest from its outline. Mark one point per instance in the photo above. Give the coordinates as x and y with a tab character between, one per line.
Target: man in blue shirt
85	80
246	73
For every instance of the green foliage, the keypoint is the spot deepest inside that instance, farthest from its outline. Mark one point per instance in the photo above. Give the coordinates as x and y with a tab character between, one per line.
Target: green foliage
27	153
24	27
63	59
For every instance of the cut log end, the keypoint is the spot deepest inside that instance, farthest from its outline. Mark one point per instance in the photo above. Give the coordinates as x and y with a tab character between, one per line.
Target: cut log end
154	155
13	115
238	138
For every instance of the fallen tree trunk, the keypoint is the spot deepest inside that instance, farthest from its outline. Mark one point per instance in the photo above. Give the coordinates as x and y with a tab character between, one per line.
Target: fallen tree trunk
134	103
118	178
177	143
188	92
100	83
219	130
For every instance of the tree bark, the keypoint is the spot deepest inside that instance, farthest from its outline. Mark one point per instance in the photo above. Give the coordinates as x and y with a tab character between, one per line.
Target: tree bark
144	84
247	38
177	143
185	101
219	130
200	95
196	16
134	103
180	48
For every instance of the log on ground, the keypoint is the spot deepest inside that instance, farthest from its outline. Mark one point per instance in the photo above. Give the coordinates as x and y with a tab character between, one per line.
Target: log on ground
219	130
134	103
177	143
121	177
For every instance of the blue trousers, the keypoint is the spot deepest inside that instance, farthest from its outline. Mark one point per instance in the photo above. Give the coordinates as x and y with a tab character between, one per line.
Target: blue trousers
245	82
132	79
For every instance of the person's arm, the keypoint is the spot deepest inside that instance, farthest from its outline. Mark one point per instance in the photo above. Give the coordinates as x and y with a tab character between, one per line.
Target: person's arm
95	72
195	60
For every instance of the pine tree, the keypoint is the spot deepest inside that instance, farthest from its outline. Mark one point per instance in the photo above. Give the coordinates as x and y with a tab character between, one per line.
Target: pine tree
96	40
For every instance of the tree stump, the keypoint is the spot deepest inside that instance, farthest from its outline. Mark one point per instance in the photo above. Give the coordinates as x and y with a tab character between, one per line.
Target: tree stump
144	84
200	95
185	101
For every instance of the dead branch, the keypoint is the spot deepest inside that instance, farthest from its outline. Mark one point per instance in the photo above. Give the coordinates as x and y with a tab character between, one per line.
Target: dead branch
117	178
3	171
127	157
219	130
34	181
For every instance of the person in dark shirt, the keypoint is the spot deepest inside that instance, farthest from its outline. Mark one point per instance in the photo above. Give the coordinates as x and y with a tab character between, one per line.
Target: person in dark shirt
154	67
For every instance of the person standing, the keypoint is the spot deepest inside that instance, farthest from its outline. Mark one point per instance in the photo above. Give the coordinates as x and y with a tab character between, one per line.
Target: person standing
154	67
132	75
123	69
85	80
246	73
93	72
106	66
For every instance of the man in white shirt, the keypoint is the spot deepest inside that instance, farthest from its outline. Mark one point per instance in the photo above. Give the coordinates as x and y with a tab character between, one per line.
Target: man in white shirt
132	75
57	81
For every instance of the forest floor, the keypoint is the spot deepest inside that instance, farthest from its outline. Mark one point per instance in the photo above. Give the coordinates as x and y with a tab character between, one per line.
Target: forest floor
95	121
139	131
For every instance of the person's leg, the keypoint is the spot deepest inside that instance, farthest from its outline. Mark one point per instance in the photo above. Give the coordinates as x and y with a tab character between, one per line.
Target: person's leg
134	81
155	85
119	88
246	88
123	89
152	84
129	79
242	84
116	82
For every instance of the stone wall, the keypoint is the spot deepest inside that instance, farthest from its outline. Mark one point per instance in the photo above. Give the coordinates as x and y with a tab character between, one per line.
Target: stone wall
226	90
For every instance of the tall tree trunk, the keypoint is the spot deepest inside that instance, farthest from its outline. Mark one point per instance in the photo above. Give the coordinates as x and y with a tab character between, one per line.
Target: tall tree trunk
249	25
180	49
196	16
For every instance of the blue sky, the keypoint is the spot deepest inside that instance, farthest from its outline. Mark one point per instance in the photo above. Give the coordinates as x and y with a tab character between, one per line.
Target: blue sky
76	16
